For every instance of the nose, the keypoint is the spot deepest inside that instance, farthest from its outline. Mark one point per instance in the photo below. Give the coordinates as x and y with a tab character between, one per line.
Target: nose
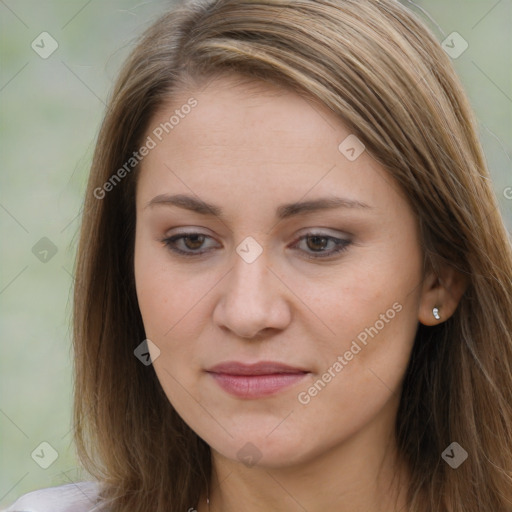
253	299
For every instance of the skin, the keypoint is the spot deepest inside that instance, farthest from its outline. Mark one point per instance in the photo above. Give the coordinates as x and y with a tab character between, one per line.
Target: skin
248	148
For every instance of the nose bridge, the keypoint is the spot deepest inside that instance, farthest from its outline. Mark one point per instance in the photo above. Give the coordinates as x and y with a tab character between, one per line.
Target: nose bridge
251	298
250	275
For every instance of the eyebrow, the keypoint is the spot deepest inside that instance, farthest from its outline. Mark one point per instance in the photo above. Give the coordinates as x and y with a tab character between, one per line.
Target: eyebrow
284	211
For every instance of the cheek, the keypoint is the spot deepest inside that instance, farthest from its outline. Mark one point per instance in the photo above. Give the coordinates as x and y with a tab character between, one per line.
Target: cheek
368	311
150	286
363	365
165	292
166	301
364	291
169	303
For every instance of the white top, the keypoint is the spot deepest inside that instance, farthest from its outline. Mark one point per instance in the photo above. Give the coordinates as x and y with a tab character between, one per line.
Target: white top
75	497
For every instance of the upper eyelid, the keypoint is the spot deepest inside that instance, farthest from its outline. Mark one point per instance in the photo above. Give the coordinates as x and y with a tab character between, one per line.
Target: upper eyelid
310	232
318	230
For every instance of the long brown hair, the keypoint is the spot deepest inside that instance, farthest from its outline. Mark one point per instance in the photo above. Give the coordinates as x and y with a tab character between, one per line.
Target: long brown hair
382	71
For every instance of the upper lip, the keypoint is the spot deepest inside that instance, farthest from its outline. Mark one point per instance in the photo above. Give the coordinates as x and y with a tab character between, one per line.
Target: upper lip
260	368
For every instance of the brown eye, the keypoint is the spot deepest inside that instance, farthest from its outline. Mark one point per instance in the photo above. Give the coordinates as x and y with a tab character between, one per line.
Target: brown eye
195	241
317	245
187	244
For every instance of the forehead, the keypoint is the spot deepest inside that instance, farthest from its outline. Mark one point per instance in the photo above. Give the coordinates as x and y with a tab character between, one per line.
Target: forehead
235	117
252	110
250	138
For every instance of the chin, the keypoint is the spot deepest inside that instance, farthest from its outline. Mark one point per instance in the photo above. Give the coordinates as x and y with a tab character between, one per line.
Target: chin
254	446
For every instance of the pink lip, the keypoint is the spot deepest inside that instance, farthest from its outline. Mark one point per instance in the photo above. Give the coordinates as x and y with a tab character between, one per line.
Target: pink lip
255	380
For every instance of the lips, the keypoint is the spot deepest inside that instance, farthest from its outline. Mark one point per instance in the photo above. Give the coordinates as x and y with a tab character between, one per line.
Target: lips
255	380
261	368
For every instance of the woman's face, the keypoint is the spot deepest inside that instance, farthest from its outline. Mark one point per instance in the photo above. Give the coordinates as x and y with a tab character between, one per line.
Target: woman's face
270	276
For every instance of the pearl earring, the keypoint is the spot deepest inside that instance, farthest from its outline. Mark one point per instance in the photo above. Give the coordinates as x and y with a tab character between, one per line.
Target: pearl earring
435	312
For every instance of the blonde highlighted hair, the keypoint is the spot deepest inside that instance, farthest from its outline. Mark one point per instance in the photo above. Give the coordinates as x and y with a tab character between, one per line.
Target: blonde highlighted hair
384	74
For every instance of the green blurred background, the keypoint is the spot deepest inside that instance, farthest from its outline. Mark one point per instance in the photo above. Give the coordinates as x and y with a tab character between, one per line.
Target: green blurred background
51	109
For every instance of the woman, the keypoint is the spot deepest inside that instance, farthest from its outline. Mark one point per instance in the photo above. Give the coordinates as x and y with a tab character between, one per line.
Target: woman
293	281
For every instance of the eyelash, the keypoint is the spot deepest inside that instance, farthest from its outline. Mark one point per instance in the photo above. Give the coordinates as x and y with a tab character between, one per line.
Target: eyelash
342	244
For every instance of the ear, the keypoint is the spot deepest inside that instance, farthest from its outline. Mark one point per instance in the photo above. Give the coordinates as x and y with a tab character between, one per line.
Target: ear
442	290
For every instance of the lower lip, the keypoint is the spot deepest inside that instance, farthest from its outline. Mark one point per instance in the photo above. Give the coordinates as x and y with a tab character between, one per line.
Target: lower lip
256	386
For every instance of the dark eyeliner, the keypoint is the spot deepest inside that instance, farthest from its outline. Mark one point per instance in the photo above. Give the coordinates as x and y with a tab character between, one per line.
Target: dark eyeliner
341	245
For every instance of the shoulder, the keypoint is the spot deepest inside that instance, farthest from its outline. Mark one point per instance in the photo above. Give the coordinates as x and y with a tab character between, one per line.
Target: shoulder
75	497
